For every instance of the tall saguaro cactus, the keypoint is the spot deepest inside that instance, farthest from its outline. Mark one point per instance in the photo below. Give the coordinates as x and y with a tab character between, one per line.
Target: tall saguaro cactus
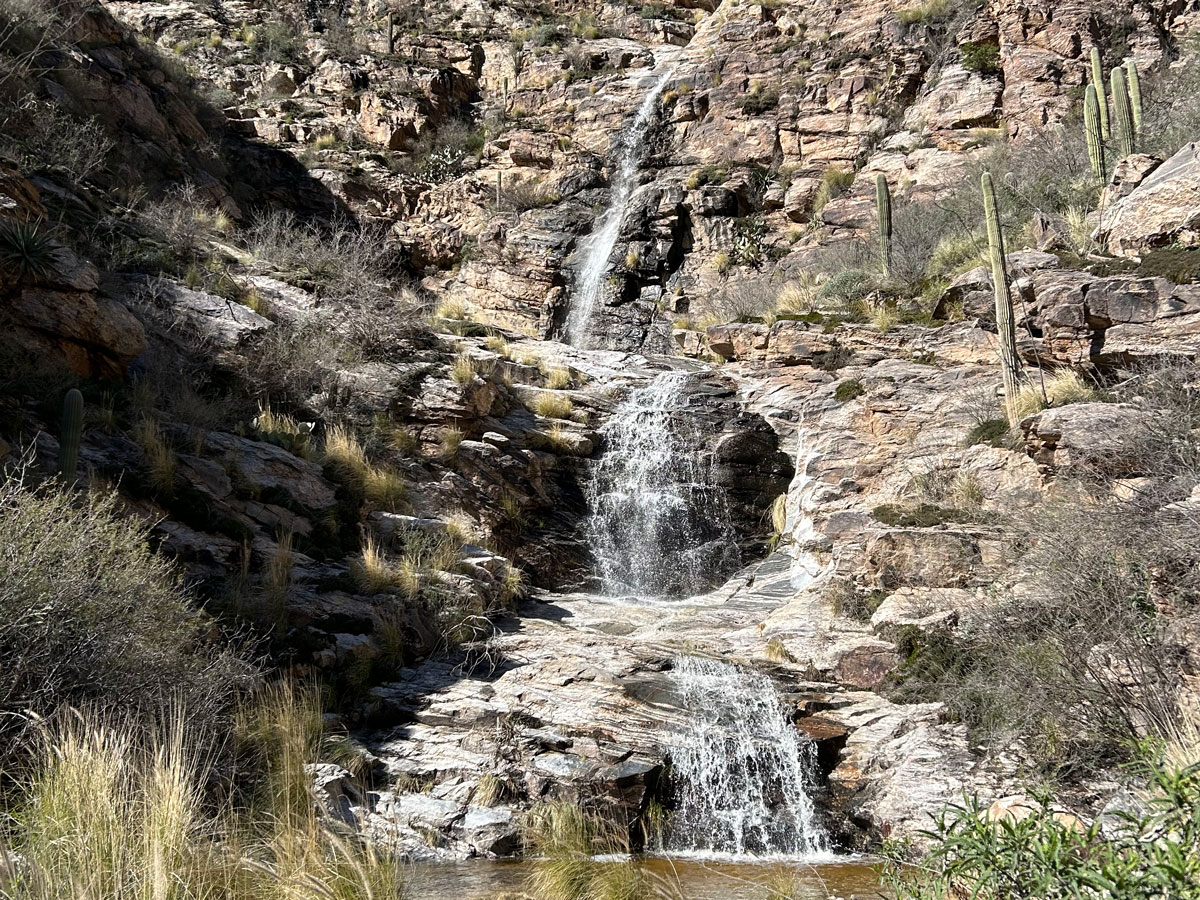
68	441
1135	95
1091	126
1123	129
883	206
1098	84
1010	362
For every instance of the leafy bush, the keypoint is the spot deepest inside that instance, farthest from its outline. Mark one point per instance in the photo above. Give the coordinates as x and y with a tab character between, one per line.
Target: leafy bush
928	12
759	99
849	390
981	57
440	154
1042	852
44	135
846	288
88	614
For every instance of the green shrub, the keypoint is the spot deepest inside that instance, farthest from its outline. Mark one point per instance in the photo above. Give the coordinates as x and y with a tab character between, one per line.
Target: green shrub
925	515
88	614
981	57
928	12
849	390
834	182
1041	852
994	432
846	288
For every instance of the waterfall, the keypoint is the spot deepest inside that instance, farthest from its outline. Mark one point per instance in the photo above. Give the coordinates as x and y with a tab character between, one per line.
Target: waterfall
658	526
743	771
598	246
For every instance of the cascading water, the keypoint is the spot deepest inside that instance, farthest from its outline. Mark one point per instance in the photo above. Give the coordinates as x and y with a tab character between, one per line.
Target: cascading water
598	246
744	773
658	526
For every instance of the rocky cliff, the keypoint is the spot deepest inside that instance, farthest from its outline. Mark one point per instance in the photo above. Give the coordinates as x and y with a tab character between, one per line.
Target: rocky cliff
311	266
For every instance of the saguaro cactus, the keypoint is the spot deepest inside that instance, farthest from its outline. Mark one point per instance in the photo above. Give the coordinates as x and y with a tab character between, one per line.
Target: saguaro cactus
1123	129
1135	95
391	32
1098	84
1091	126
883	205
68	441
1010	362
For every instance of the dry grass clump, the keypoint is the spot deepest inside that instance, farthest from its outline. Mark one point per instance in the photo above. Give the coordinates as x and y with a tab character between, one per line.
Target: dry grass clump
113	809
567	839
551	405
157	455
450	440
557	377
372	571
1062	387
562	440
417	556
342	449
451	310
464	368
382	487
777	651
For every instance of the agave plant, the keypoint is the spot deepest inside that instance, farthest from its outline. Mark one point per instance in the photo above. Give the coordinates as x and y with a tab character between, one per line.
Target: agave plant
26	249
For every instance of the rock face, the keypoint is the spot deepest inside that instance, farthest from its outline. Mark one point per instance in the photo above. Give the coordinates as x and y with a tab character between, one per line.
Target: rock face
761	106
484	150
1163	209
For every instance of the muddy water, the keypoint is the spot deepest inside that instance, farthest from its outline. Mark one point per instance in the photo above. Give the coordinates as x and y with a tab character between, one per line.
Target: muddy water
680	878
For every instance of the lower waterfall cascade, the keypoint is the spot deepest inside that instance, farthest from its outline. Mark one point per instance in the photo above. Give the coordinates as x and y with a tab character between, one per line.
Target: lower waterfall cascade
744	774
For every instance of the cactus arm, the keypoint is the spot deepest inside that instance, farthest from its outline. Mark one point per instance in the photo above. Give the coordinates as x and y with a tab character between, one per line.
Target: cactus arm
1135	95
1091	125
1123	129
1098	83
883	206
72	428
1010	362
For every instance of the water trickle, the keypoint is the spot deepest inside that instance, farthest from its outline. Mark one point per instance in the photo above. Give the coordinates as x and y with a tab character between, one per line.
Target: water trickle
598	246
744	773
658	526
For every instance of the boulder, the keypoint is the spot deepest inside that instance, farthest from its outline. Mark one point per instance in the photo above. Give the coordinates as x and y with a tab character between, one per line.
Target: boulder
961	98
1101	438
491	831
1163	210
922	557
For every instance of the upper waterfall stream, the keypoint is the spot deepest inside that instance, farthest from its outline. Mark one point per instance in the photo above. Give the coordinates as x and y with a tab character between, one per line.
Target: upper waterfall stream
598	246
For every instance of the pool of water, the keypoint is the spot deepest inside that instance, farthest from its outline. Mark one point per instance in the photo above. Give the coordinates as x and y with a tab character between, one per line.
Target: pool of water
687	879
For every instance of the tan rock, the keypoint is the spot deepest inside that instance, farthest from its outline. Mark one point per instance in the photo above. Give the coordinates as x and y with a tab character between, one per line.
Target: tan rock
1163	209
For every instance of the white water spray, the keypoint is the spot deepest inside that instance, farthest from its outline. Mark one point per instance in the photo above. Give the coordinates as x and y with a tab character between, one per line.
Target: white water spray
744	772
657	525
598	246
